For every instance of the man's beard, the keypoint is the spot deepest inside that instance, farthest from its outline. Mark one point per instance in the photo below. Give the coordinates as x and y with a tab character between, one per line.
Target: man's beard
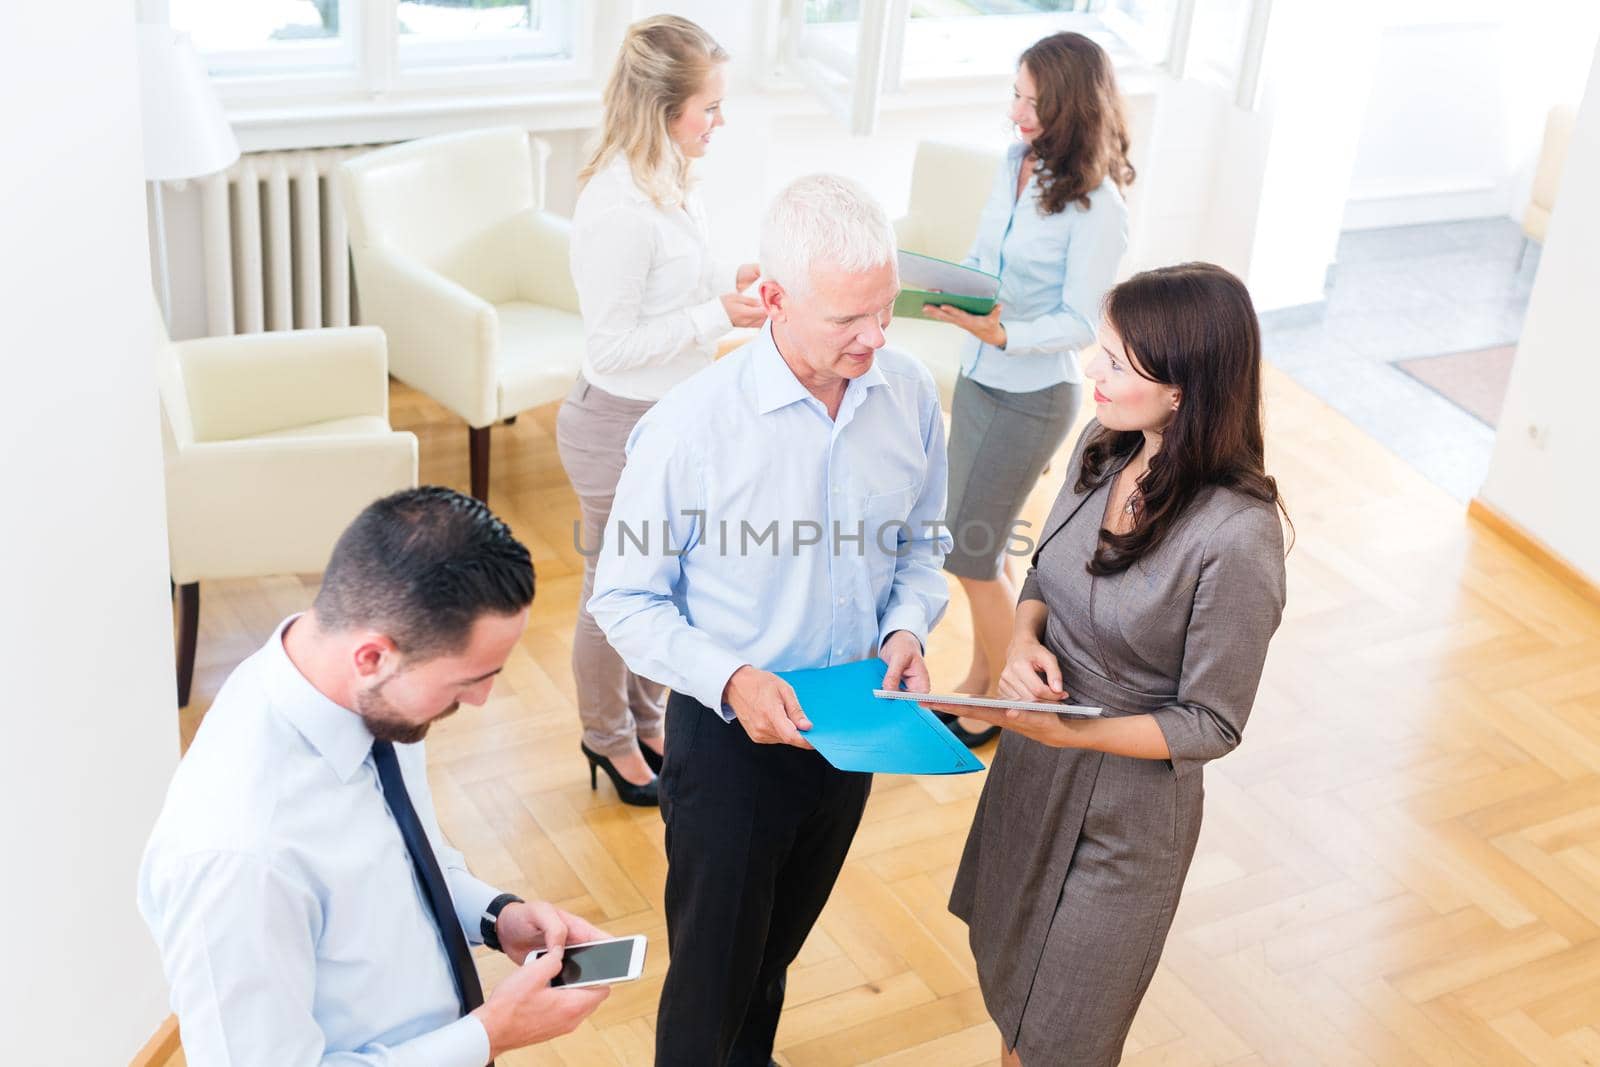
385	725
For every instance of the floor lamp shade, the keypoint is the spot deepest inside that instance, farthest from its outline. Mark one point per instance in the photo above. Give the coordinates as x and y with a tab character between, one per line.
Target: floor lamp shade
186	134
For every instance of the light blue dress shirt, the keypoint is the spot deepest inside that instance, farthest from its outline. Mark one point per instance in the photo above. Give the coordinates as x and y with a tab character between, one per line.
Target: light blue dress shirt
776	536
1054	272
292	927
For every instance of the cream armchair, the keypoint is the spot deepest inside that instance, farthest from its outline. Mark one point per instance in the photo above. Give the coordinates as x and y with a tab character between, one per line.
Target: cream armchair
467	274
274	441
949	184
1547	175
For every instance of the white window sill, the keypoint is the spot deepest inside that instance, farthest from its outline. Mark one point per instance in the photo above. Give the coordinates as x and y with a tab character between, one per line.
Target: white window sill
384	119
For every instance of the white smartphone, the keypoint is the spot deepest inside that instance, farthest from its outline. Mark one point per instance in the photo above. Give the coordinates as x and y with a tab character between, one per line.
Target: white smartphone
619	959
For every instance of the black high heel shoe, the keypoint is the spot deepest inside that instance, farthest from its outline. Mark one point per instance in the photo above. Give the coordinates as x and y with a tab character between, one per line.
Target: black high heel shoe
964	735
640	796
652	758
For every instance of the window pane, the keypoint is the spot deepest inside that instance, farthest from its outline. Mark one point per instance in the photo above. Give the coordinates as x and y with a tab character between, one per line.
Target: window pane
1217	40
945	38
1146	25
823	11
251	25
467	18
832	10
435	32
982	38
942	9
1153	13
830	34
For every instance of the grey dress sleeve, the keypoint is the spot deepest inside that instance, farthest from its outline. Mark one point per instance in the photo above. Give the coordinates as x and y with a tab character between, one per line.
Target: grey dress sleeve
1030	589
1238	603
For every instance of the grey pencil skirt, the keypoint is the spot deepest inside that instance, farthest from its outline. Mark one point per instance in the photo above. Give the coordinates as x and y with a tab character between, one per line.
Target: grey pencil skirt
1000	443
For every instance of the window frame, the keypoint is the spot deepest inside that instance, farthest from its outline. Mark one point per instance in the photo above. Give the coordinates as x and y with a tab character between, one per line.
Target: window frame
304	60
516	47
853	85
373	63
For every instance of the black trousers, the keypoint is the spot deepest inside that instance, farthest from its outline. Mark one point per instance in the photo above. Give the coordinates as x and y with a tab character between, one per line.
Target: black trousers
755	838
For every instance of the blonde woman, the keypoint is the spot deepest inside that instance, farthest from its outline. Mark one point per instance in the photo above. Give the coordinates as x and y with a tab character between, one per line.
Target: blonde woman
653	309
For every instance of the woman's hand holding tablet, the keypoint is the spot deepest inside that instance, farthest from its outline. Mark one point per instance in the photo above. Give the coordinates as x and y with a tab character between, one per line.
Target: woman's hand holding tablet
963	704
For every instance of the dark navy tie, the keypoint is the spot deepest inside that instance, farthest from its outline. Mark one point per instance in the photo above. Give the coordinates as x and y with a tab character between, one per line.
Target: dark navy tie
437	893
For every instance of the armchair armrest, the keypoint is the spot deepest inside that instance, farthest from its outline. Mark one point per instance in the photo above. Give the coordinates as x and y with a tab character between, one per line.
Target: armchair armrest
544	274
275	506
256	383
442	338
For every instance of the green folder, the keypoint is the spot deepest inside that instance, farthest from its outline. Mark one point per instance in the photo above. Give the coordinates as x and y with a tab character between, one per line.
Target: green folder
927	280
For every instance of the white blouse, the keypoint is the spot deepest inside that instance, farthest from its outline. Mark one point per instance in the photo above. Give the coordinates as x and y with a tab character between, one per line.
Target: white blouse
647	288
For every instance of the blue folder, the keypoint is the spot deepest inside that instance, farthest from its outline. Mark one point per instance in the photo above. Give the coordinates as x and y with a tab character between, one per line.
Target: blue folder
856	731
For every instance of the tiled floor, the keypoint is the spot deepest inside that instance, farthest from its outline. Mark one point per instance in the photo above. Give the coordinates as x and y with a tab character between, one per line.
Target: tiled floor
1402	292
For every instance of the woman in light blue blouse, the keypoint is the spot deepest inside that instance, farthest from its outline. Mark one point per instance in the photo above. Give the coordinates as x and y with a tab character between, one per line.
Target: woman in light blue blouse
1053	229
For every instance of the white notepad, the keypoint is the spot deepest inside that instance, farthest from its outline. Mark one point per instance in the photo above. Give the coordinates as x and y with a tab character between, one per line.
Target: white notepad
1078	711
926	280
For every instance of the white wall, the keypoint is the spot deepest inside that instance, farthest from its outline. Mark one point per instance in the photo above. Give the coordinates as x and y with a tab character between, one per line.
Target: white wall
1460	92
1379	114
1372	113
1542	475
1289	167
85	637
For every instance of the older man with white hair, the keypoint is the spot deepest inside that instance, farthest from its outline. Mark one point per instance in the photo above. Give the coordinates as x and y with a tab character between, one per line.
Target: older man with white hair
779	510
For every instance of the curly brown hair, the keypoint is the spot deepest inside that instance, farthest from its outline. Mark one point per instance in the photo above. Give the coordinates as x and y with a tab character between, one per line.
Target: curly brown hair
1083	136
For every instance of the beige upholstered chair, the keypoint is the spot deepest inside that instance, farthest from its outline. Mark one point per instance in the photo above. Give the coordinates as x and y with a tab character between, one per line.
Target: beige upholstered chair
949	184
273	441
467	274
1547	175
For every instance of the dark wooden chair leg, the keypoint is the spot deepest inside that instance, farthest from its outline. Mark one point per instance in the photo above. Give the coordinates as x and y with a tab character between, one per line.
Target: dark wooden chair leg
188	635
478	449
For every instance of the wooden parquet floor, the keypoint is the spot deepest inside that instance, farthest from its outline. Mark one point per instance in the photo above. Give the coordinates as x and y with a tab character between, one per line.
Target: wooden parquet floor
1401	864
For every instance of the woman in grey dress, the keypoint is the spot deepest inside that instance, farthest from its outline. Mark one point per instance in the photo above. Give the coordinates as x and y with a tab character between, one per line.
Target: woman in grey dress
1157	585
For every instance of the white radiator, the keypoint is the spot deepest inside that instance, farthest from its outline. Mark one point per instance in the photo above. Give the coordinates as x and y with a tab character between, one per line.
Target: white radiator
277	251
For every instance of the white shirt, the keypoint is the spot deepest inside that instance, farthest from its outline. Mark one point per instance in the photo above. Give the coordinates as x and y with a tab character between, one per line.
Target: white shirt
292	927
647	287
761	531
1054	272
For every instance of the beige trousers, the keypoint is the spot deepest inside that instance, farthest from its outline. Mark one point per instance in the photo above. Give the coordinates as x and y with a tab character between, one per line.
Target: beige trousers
615	705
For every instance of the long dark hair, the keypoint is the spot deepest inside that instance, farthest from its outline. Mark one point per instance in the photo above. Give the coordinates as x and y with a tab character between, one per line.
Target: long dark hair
1083	137
1191	326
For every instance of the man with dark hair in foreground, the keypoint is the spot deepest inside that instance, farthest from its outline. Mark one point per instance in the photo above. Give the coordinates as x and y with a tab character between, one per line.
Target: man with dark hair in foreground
306	905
